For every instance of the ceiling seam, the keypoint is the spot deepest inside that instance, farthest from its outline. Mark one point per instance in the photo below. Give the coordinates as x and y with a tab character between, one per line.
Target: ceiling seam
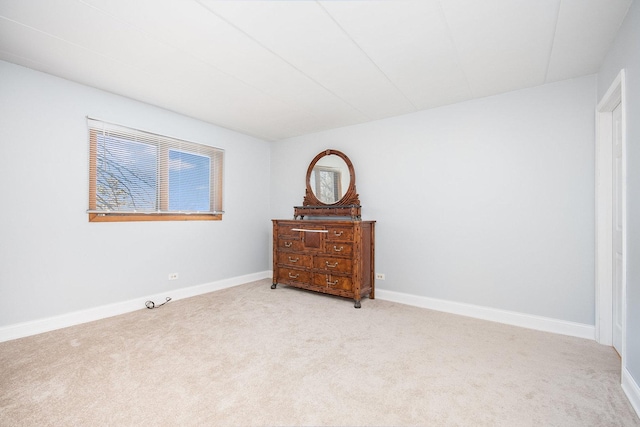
283	59
456	55
553	42
366	55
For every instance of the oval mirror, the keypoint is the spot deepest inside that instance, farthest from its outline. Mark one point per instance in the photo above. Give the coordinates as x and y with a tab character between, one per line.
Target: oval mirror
331	180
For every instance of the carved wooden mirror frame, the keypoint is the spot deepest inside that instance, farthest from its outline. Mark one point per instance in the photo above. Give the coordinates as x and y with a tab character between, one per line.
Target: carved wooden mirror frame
348	205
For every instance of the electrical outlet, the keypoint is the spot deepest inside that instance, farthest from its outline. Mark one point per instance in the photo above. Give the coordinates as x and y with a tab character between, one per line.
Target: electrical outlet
173	276
380	276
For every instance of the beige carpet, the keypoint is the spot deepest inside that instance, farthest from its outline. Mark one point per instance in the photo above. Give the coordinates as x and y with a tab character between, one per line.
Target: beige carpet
250	356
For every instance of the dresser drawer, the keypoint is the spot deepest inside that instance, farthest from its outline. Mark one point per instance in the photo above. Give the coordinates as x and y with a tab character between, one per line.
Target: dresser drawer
339	234
294	260
332	281
289	244
292	275
287	231
341	265
338	248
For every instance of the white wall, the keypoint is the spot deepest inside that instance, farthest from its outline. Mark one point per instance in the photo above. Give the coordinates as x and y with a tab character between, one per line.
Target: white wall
625	53
53	261
488	202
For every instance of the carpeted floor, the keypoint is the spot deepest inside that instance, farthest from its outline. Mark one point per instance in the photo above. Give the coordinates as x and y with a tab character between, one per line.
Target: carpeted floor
253	356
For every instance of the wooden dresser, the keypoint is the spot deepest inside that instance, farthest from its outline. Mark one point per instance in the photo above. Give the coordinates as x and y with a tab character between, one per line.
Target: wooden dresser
330	256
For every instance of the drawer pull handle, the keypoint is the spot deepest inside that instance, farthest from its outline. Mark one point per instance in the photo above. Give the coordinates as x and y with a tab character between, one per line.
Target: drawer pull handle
335	282
335	248
334	265
287	244
293	276
294	260
309	230
335	233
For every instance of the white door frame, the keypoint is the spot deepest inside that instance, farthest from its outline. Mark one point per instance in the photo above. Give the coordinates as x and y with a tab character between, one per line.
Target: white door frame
604	214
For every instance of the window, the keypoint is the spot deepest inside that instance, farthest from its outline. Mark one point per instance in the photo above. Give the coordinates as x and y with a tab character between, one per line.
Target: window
140	176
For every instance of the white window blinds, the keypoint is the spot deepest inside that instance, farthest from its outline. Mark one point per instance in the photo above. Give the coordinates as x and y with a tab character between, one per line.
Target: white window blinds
137	172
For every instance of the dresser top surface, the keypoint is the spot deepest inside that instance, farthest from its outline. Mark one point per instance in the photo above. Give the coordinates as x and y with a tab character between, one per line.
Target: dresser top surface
324	221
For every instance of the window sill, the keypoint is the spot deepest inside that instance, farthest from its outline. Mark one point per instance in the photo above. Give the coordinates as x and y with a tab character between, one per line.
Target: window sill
114	217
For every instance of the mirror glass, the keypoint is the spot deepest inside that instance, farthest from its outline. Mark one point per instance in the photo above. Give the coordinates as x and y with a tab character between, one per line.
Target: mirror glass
330	179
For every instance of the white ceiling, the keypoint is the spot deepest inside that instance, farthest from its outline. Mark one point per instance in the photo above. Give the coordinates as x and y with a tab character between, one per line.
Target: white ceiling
277	69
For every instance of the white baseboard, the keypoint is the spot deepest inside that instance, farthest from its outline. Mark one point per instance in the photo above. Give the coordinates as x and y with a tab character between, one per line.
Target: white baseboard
34	327
631	389
539	323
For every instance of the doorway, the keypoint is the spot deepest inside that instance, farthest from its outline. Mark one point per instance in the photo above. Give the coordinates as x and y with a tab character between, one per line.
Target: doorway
618	227
611	218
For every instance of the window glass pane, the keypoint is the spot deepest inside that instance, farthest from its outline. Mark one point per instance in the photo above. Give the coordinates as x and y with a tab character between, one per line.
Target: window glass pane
189	180
126	175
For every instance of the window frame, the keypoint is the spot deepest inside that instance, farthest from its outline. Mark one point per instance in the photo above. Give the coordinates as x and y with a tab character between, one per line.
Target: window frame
164	144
